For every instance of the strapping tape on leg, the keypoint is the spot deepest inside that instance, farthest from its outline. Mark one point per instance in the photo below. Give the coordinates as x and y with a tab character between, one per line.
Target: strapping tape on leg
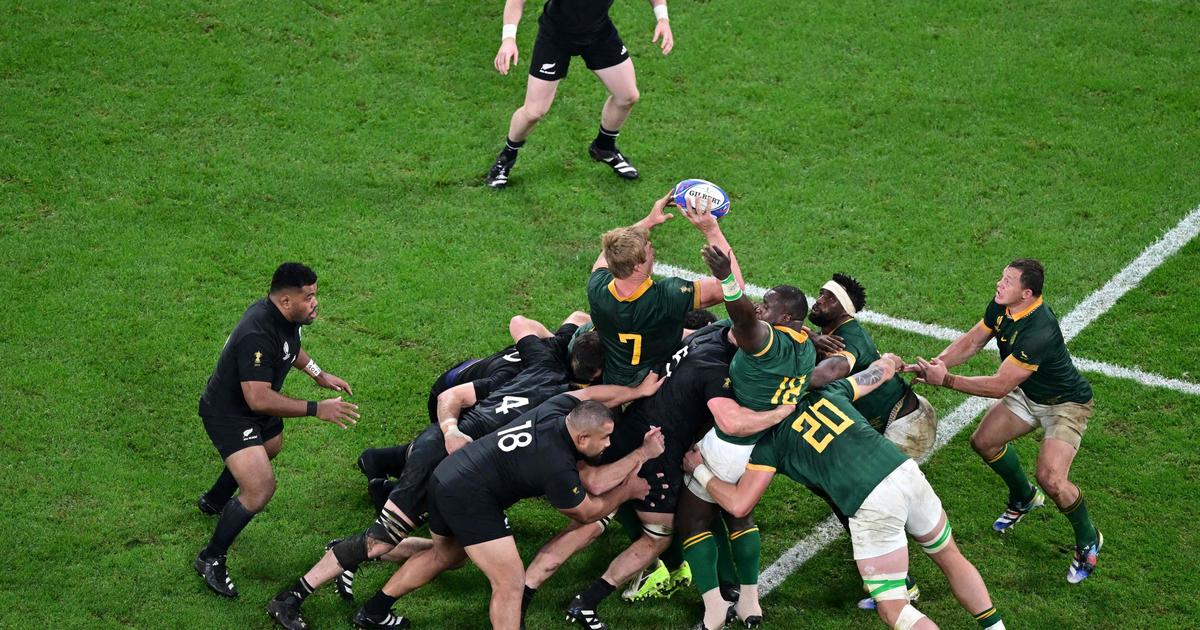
351	552
389	528
660	531
605	521
909	618
886	586
938	542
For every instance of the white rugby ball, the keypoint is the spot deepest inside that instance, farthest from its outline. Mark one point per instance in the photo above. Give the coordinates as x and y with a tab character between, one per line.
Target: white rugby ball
702	191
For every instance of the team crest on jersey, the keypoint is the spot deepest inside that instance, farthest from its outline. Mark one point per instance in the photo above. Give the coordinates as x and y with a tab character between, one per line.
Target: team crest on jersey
726	384
257	359
999	318
287	353
685	289
575	490
1024	356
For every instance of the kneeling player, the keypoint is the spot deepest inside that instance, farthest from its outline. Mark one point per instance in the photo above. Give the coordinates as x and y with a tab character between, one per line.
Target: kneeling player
537	454
827	444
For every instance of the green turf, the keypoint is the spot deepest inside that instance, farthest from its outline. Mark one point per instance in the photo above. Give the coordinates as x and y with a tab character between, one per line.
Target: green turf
157	161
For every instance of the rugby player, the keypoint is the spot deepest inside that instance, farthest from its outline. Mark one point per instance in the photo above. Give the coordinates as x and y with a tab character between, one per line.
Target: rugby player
1038	386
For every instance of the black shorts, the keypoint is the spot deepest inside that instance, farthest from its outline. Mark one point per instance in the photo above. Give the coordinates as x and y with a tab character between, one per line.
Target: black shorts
631	429
410	493
230	435
459	510
552	55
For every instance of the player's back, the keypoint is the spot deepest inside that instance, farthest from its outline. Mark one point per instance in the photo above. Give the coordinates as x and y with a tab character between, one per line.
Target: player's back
518	460
826	443
640	330
860	351
775	375
545	374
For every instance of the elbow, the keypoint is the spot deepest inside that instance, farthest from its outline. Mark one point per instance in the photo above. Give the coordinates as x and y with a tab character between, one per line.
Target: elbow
579	318
516	325
742	511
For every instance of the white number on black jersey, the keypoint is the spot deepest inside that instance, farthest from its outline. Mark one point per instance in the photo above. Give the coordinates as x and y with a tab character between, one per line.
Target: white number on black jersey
510	440
508	403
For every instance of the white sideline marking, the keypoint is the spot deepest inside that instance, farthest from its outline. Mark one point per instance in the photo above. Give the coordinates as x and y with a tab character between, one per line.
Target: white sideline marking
1086	312
949	334
1098	303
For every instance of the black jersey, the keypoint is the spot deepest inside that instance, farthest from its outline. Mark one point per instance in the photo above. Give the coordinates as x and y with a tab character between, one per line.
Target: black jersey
261	347
489	373
546	373
698	371
529	457
575	19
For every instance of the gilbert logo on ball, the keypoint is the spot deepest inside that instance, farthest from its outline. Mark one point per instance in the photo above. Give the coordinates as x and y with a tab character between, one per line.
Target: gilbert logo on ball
702	191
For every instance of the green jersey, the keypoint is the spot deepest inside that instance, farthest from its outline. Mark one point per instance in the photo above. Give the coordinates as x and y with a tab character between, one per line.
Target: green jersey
1033	340
640	330
827	444
879	406
776	375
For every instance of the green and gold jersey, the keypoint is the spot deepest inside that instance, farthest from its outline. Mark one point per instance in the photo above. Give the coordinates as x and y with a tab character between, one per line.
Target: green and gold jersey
640	330
827	444
878	406
1033	340
776	375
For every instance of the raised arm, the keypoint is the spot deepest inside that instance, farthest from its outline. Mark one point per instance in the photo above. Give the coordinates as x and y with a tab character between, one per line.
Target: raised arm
750	333
738	421
711	291
657	216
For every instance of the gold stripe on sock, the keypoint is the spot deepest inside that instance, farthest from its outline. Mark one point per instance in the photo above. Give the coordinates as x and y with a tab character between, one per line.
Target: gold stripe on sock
997	457
734	535
698	538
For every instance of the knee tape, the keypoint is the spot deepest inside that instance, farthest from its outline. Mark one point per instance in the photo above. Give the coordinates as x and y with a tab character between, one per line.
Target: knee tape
909	617
658	531
389	527
939	542
351	552
886	586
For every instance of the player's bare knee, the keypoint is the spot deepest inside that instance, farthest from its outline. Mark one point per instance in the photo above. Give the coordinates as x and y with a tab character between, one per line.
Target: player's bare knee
627	100
1052	479
535	112
982	446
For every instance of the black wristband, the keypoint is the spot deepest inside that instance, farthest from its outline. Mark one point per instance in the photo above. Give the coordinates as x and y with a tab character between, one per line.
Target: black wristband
312	408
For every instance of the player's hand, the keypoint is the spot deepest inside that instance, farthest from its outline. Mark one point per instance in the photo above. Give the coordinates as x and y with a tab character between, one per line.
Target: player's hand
329	381
663	30
718	261
692	459
658	490
700	215
897	362
932	372
507	56
338	411
658	212
649	385
827	345
455	440
653	443
636	487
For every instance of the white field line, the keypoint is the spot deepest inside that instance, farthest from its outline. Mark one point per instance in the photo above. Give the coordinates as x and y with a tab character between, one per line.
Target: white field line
949	334
1091	308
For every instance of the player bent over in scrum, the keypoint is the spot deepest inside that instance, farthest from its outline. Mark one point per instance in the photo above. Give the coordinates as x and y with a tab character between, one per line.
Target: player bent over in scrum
537	454
827	444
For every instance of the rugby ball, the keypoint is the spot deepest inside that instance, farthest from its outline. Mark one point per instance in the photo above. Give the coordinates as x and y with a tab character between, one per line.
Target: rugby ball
702	191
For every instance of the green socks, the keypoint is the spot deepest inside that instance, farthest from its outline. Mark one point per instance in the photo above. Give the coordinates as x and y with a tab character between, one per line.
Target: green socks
700	551
1077	513
746	545
1007	464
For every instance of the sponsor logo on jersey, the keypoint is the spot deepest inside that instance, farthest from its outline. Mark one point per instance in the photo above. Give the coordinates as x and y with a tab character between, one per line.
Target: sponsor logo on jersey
726	384
685	289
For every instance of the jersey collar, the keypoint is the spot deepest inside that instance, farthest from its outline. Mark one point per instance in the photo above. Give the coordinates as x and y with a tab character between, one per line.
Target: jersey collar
637	293
835	328
1032	307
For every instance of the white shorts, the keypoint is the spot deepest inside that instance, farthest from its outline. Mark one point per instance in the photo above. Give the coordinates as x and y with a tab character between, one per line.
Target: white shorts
914	433
1065	421
726	460
903	502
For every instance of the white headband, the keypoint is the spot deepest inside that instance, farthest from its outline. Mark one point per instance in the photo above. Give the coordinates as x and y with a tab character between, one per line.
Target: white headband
840	293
